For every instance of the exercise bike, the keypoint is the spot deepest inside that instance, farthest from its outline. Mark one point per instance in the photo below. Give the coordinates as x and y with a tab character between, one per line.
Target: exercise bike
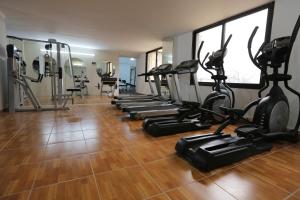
270	119
192	115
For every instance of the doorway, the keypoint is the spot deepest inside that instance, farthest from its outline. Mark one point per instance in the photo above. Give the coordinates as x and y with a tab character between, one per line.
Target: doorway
127	75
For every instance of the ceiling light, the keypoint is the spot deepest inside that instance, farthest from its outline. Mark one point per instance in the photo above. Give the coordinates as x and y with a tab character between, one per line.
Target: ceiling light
73	53
83	47
132	59
77	64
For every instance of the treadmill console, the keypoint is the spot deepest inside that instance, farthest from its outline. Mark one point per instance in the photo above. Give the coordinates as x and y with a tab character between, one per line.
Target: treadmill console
163	69
185	67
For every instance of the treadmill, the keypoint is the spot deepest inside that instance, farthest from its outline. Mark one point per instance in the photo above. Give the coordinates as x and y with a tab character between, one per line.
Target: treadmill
142	96
136	96
157	100
139	98
186	67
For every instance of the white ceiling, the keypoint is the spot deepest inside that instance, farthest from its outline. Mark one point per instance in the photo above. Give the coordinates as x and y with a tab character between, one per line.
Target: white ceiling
126	25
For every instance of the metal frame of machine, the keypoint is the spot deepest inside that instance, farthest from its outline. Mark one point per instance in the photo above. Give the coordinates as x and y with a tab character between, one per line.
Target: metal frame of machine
15	78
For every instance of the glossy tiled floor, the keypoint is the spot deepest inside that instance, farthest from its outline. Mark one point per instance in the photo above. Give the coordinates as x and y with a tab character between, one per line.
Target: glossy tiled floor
92	152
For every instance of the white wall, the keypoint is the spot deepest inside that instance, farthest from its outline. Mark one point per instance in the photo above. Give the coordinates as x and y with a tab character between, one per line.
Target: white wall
142	87
182	48
285	15
2	59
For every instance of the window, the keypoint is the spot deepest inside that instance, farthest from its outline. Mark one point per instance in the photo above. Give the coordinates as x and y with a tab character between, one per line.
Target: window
239	69
212	42
153	59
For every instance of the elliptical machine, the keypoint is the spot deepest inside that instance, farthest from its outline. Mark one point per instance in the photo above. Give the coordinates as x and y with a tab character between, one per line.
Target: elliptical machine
194	116
270	120
222	94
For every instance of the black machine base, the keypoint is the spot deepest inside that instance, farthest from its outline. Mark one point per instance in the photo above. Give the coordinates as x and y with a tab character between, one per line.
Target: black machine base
210	151
157	129
150	120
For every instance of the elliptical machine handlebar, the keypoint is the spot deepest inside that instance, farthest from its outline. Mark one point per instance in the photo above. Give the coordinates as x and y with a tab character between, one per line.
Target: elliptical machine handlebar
146	74
250	41
220	70
254	60
143	74
227	42
202	63
206	56
216	58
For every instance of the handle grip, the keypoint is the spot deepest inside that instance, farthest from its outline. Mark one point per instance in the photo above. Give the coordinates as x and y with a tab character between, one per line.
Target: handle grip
227	41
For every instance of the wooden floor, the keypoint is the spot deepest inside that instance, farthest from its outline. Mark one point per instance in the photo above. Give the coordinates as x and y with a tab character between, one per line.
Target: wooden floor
93	152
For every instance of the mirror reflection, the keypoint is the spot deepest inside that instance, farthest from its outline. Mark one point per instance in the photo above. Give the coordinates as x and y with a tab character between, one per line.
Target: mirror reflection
106	68
79	68
49	61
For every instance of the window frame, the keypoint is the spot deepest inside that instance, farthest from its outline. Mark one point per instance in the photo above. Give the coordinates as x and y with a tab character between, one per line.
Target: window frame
270	7
146	60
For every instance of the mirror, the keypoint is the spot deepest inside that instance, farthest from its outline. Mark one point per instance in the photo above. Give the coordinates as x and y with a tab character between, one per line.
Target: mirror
79	68
46	67
106	68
